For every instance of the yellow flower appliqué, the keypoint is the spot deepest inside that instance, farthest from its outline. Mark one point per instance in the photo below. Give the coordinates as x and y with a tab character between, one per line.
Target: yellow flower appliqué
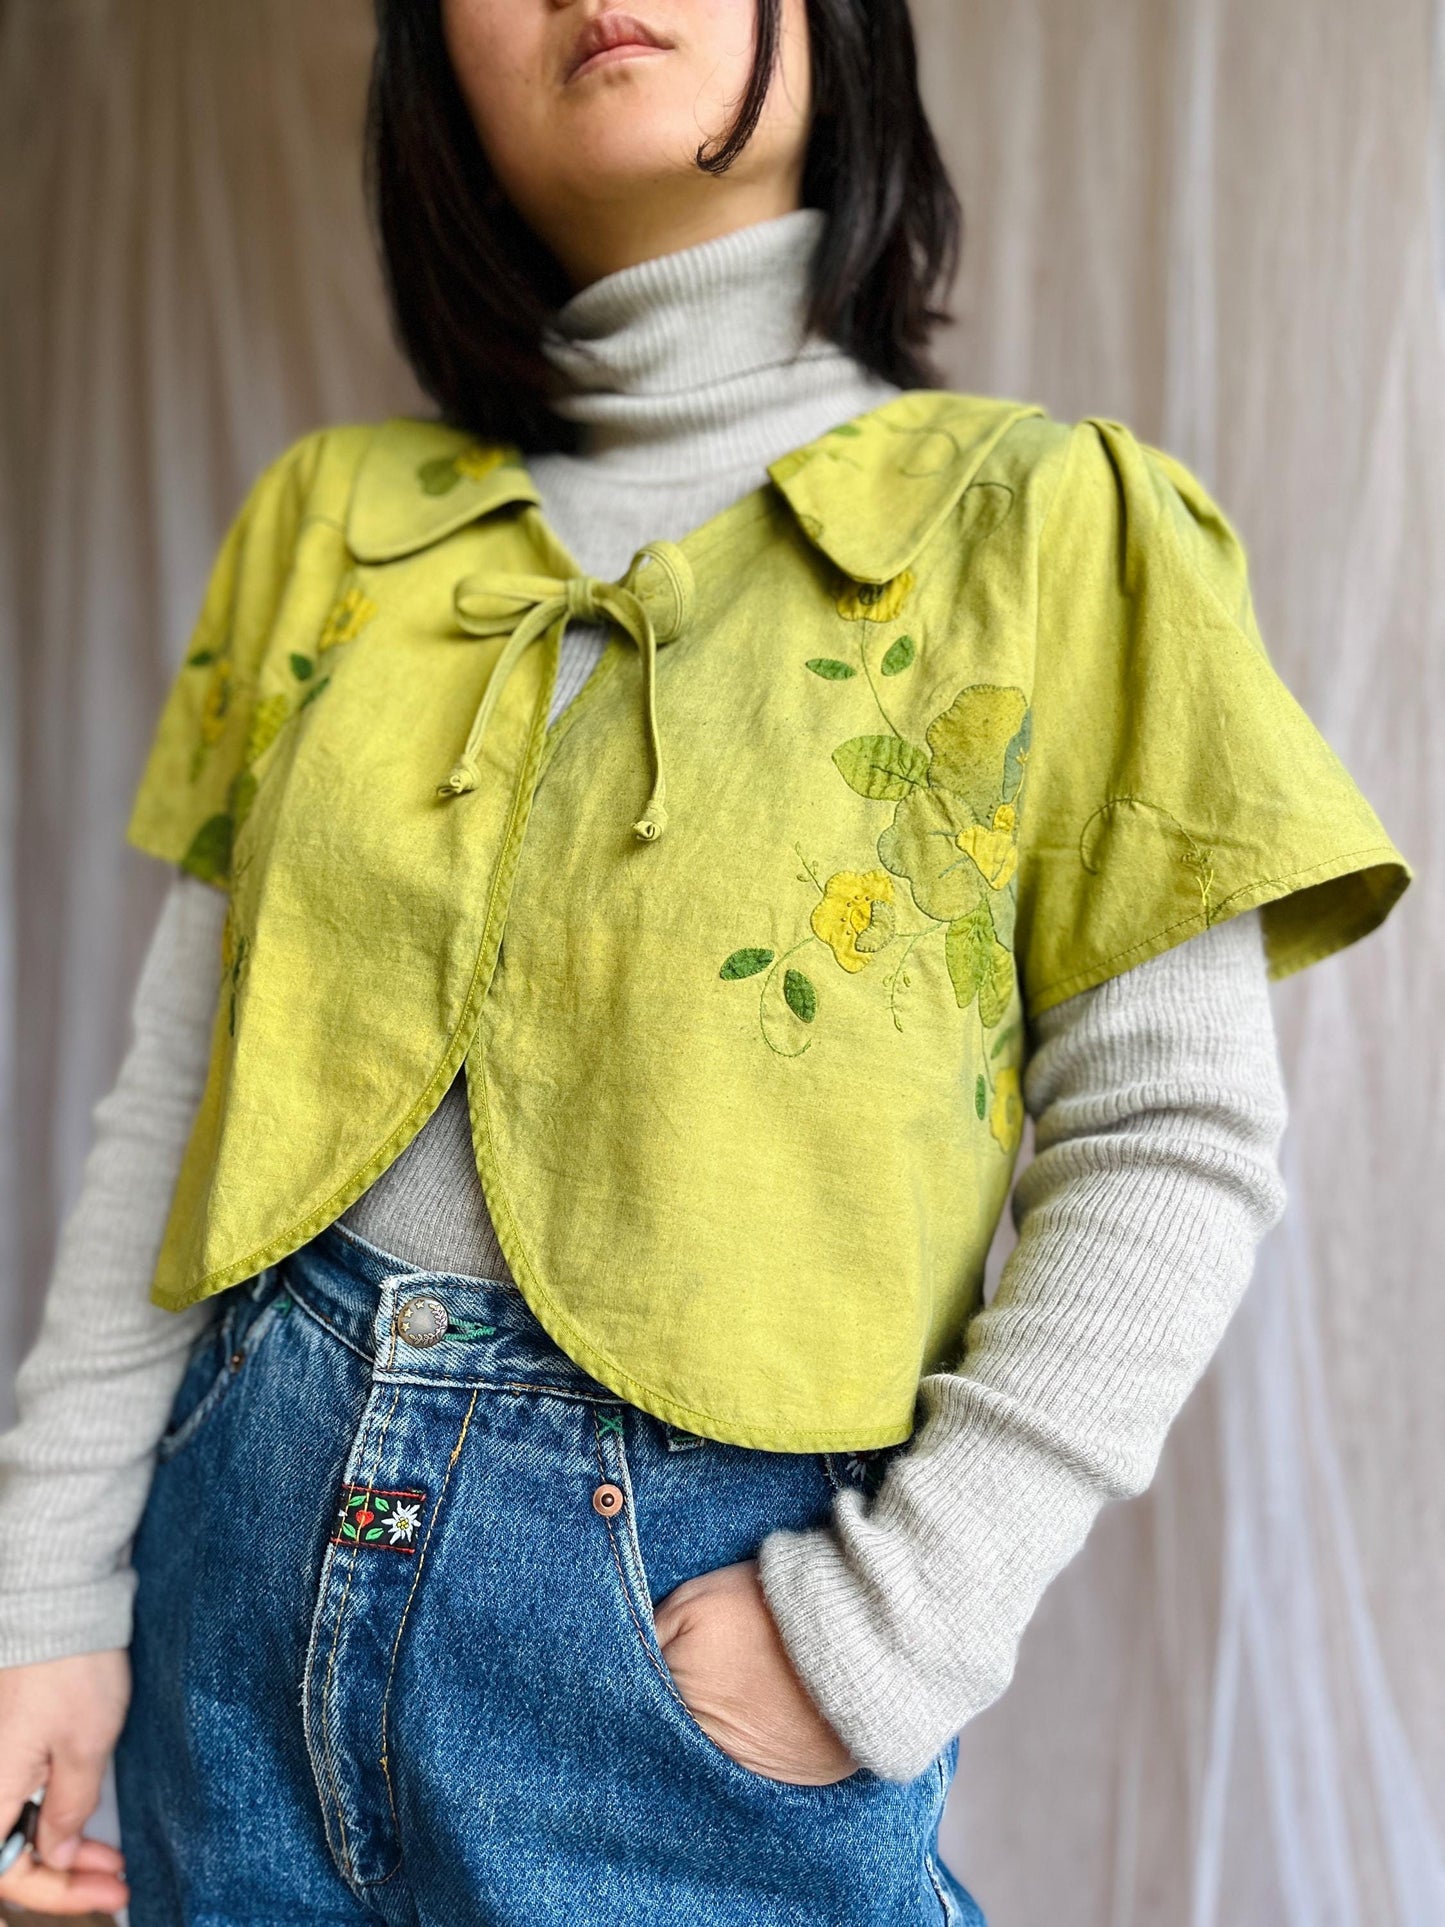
1006	1113
265	726
995	848
854	916
442	473
477	463
349	615
217	700
875	601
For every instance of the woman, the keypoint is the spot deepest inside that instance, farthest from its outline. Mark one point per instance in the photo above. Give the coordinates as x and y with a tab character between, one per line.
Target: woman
438	1616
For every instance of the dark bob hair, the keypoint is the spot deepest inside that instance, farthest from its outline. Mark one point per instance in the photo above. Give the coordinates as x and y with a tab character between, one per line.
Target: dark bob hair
472	287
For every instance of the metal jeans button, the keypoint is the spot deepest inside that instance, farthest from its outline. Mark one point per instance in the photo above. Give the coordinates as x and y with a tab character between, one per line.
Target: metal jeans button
422	1321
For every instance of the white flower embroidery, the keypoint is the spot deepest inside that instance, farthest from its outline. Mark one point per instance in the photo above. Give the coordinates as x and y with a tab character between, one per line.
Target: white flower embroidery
403	1522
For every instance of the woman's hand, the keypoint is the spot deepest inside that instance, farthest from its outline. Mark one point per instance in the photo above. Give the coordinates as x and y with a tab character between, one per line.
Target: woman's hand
59	1720
724	1651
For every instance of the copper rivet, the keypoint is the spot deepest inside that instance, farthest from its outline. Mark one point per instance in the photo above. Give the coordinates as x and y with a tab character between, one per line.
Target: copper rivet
237	1360
607	1499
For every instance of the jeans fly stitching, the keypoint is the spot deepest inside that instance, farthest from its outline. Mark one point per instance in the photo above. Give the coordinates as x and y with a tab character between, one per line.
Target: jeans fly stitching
326	1772
411	1594
326	1689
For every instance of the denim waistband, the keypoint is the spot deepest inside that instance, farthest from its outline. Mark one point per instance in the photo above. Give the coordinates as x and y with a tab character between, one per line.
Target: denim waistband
430	1327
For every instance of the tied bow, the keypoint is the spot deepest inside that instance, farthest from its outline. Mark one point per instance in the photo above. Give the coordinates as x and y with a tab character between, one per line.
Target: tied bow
528	605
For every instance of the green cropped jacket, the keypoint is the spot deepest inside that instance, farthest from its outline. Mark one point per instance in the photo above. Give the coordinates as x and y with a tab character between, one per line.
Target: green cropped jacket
963	710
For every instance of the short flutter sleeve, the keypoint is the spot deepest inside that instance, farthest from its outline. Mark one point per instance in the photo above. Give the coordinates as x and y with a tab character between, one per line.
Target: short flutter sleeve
193	788
1171	778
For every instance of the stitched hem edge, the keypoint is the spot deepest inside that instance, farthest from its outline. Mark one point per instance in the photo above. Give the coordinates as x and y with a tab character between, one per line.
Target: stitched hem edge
1337	932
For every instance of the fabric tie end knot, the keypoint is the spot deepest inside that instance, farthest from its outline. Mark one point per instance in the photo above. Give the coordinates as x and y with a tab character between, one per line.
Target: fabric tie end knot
463	777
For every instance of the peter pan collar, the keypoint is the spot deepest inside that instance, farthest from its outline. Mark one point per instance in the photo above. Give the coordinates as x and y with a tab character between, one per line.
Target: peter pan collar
869	494
419	481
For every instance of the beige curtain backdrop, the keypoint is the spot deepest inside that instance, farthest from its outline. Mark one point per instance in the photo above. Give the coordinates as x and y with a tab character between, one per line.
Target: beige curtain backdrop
1219	220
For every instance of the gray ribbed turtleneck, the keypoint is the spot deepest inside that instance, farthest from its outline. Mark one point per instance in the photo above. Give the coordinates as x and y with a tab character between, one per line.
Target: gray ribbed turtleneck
694	371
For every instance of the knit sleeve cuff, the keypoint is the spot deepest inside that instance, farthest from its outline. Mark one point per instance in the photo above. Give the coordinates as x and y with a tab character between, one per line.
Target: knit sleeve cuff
59	1622
854	1671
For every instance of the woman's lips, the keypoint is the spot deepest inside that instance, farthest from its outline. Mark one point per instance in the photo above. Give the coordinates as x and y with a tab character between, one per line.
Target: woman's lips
609	38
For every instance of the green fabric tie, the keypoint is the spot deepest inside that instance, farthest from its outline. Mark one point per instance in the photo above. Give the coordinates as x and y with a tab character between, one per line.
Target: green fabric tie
528	605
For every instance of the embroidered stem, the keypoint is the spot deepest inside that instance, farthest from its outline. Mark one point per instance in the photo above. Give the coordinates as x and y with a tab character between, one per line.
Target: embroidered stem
1195	858
867	671
811	872
988	1077
1005	1036
895	978
776	965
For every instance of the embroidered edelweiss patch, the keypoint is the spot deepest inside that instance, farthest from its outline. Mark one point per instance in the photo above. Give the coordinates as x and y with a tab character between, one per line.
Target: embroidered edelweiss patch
366	1516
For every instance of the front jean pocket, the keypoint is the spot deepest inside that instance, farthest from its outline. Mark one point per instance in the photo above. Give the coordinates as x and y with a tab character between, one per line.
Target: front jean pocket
808	1485
247	1313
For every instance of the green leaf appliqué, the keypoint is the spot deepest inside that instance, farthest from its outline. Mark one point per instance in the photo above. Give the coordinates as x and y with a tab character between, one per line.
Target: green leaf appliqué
830	669
438	476
882	768
209	853
242	795
800	995
996	988
899	656
967	947
746	963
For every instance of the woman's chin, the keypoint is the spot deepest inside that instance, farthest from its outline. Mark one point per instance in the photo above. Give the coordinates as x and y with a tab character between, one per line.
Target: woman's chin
609	163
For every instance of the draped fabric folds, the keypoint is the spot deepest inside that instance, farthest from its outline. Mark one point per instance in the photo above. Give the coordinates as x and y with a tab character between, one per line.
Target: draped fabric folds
1218	220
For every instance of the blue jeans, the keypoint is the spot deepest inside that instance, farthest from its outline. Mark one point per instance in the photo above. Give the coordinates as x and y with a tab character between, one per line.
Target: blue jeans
394	1653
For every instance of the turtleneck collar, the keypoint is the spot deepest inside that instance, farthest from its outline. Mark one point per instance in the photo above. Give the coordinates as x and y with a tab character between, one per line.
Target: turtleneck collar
698	361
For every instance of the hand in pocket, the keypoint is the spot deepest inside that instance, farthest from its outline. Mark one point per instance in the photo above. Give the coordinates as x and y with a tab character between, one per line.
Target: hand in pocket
728	1661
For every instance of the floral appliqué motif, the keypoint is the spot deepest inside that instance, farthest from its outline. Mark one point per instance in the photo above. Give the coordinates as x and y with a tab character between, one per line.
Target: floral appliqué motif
875	601
442	474
949	851
209	853
386	1520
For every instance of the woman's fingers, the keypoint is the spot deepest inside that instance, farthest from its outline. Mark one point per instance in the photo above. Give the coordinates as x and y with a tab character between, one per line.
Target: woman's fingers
94	1882
98	1856
728	1662
59	1719
89	1886
72	1793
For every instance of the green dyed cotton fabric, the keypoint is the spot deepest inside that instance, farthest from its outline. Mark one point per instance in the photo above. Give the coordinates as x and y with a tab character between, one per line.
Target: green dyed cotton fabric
964	711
